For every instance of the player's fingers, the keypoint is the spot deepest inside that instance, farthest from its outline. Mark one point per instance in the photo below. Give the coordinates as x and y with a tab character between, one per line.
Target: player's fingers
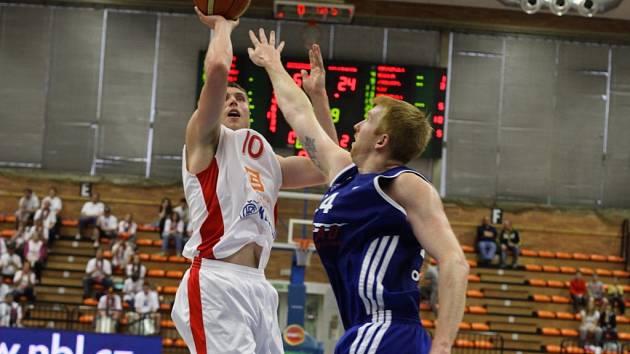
263	36
280	47
317	52
304	74
253	38
272	38
250	51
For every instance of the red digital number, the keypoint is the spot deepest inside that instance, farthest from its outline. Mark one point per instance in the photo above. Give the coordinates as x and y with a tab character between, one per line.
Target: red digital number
297	77
346	82
344	141
301	10
438	119
291	138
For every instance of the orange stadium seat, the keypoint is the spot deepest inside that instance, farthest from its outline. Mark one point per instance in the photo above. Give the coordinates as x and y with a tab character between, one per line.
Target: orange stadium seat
180	343
581	256
598	258
6	233
537	282
155	273
174	274
427	323
157	243
143	256
148	228
604	272
468	249
167	342
545	314
169	290
586	270
144	242
86	319
477	310
558	299
552	348
575	350
563	255
9	218
483	344
474	293
472	263
70	222
615	259
529	253
107	254
533	267
541	298
158	258
165	307
474	278
551	269
623	319
90	302
478	326
624	336
621	273
546	254
464	326
167	324
177	259
425	307
555	284
567	270
1	217
567	332
565	316
550	331
464	343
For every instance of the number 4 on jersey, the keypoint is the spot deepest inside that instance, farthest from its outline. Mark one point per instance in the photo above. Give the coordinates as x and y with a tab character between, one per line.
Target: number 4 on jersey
327	203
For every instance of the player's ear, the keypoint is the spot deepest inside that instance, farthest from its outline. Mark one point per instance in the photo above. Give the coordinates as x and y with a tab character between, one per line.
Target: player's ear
382	141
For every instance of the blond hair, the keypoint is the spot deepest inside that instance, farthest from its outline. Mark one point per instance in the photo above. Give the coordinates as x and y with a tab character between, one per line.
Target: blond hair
407	126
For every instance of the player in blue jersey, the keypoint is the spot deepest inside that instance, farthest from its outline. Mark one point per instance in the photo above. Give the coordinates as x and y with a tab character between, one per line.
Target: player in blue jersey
374	221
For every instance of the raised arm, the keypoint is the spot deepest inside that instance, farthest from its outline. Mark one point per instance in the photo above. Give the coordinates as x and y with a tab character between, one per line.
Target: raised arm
426	215
314	84
297	109
202	132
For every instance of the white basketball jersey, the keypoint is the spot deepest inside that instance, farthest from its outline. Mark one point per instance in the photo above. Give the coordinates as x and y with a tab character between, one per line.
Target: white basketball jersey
233	201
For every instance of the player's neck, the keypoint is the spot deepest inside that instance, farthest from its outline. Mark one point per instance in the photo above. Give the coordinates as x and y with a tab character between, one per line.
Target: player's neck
376	163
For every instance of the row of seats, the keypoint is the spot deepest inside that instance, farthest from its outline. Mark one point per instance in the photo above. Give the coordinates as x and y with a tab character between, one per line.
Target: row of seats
559	284
573	270
561	255
561	315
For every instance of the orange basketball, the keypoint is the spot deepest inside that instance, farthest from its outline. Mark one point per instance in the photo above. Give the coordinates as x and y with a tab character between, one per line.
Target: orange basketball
230	9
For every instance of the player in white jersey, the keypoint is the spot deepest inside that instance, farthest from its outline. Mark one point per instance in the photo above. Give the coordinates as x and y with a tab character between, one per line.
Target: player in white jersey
231	180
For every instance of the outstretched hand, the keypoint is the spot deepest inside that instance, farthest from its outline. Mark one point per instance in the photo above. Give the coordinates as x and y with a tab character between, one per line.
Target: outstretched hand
315	81
214	21
265	53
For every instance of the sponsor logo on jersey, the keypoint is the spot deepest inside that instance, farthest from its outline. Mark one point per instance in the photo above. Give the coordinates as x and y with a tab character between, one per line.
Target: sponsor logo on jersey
254	208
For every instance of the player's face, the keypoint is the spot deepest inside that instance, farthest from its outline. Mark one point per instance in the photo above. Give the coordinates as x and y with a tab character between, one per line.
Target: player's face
365	136
236	110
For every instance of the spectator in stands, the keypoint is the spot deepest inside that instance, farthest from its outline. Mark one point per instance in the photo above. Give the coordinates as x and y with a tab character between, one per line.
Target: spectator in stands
608	322
486	241
596	290
89	214
590	321
35	254
10	312
106	226
135	273
18	237
10	263
614	292
122	253
109	312
3	249
5	289
429	288
173	229
97	271
577	289
24	282
56	206
509	240
47	218
166	208
27	206
127	228
182	210
147	307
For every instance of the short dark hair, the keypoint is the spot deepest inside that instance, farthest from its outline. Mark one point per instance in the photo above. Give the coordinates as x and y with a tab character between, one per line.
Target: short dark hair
235	85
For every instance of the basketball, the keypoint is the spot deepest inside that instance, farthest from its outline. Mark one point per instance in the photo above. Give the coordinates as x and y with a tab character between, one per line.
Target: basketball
230	9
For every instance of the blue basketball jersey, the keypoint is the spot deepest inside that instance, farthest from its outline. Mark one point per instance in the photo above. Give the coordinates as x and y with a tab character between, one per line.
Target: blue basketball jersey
372	259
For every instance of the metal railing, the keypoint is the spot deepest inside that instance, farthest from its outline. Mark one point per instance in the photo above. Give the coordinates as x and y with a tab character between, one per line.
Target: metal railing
478	342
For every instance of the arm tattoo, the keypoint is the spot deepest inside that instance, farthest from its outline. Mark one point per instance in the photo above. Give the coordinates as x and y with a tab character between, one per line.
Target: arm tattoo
309	145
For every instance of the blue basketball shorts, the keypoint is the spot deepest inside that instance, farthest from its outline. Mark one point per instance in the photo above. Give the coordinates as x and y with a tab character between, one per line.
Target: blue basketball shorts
385	338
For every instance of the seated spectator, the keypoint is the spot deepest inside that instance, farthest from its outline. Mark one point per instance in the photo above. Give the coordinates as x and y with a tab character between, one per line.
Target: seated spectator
19	237
595	290
47	218
55	206
577	289
109	312
3	249
27	206
5	289
35	254
614	293
182	210
173	229
146	318
429	288
90	212
97	271
486	241
608	322
106	226
10	312
122	253
509	240
24	282
135	273
10	263
127	228
589	325
166	208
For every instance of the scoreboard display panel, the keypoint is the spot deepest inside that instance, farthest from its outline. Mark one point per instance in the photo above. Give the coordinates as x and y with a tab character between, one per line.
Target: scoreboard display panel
351	88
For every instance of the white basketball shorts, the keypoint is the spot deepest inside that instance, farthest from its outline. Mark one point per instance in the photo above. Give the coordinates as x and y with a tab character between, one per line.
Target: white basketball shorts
225	308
